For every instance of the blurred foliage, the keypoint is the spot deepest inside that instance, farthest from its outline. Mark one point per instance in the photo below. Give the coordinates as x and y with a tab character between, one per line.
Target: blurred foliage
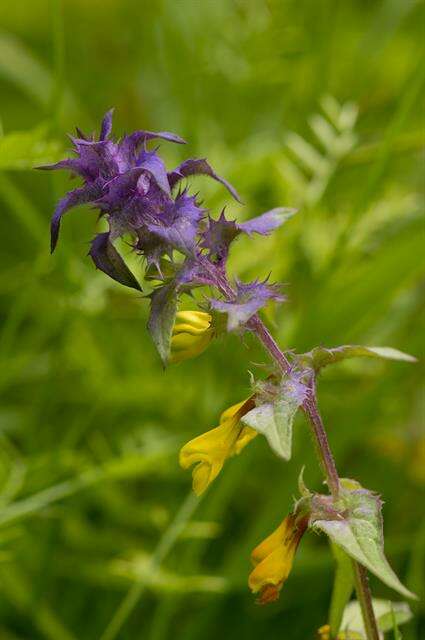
299	103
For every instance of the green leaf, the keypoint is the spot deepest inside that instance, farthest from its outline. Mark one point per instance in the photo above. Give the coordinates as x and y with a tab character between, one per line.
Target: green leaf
399	613
162	318
320	356
357	528
279	434
302	487
275	419
386	613
396	630
107	259
164	301
25	149
342	588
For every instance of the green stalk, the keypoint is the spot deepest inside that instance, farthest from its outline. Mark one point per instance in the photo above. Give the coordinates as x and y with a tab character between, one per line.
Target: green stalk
364	597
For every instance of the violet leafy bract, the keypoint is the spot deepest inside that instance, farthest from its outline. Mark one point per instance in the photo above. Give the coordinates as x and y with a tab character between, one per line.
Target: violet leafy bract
81	195
267	222
248	299
179	225
199	166
218	237
220	233
130	186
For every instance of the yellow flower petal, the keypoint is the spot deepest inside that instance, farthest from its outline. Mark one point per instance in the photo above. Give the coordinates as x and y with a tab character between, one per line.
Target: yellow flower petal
183	341
245	436
271	543
274	558
181	327
210	450
202	476
232	411
192	334
273	569
199	319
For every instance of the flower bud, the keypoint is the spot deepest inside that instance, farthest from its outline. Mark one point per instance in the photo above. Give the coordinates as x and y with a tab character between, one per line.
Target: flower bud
191	335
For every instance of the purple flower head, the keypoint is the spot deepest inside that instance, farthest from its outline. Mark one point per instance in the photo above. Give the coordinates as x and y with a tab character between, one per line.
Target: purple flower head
130	186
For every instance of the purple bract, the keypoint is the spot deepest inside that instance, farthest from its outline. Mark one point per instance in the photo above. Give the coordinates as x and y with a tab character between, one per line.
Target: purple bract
183	245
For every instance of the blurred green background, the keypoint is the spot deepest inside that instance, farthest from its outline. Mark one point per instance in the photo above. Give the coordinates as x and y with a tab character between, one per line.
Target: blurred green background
305	103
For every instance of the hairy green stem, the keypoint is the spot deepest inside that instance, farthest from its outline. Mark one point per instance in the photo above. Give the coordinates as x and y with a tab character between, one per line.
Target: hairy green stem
311	410
327	461
321	441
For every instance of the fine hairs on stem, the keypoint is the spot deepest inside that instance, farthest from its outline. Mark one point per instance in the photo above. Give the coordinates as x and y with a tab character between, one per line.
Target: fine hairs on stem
328	465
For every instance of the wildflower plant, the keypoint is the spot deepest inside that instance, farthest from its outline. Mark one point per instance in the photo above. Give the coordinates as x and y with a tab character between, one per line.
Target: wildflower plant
184	248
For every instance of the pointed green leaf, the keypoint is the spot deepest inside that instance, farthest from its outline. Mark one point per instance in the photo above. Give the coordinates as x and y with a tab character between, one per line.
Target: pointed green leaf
162	317
357	529
275	419
388	353
393	612
107	259
320	356
302	487
164	301
277	431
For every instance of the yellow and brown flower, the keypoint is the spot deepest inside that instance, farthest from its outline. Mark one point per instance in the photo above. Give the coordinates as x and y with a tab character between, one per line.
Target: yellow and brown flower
273	558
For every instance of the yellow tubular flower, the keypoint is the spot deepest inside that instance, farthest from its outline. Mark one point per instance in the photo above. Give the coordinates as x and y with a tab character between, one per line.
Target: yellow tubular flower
273	558
192	333
210	450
